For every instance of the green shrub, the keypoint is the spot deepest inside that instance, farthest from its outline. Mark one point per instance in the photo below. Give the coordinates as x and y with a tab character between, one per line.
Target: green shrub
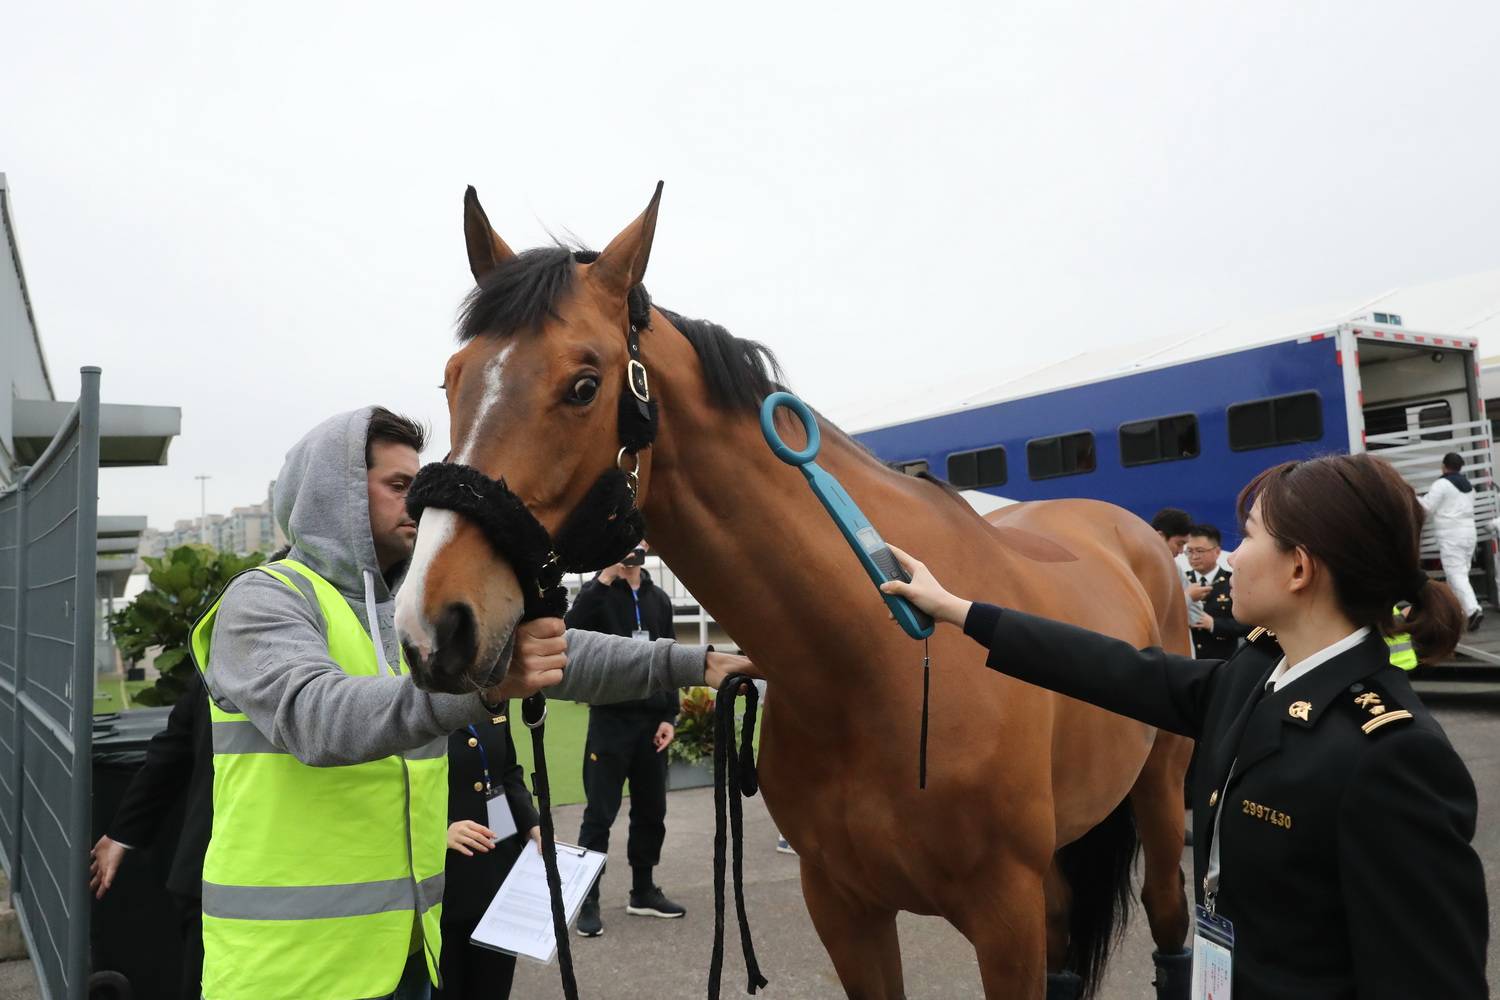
185	582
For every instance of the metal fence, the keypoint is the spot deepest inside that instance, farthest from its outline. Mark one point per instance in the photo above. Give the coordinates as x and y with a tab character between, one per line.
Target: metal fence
48	541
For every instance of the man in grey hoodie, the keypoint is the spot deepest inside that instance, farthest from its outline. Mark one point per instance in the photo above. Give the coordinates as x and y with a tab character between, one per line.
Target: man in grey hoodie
340	499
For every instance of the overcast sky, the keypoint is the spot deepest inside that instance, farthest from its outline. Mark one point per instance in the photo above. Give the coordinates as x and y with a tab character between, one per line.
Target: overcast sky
253	211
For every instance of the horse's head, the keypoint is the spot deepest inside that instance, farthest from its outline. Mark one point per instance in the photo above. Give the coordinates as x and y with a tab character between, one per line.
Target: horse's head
535	400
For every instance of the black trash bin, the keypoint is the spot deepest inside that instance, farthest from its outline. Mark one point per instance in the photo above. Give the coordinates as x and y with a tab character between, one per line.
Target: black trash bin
135	927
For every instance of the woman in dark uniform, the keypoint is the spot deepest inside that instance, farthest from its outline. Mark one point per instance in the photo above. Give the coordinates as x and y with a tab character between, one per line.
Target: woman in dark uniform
1333	818
481	763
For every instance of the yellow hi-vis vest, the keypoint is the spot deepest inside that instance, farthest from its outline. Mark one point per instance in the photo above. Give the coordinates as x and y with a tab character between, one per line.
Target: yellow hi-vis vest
315	876
1403	653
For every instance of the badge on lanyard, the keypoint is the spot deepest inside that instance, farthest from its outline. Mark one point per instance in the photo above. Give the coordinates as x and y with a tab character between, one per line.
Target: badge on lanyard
640	632
497	807
1213	956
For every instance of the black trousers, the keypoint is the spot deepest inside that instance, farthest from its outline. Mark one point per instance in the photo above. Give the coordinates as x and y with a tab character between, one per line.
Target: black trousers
619	748
470	972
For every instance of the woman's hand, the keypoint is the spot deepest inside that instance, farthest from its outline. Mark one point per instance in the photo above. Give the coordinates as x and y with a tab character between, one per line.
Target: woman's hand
926	593
467	836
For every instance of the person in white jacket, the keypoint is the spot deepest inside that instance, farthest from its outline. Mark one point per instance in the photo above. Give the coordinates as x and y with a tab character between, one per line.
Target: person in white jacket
1450	507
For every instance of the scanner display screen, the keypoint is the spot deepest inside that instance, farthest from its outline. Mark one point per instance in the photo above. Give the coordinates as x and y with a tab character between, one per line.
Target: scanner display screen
868	539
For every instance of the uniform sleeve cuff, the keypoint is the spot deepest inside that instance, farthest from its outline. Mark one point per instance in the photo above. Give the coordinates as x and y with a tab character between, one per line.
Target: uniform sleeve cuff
981	623
685	664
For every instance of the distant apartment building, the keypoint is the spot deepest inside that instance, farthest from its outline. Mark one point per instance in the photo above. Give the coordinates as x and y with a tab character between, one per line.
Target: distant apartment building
243	531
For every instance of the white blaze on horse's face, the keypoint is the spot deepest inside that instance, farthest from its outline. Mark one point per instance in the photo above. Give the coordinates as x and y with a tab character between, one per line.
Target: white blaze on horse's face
434	532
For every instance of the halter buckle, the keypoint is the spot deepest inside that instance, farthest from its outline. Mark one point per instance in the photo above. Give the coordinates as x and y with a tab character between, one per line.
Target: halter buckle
640	386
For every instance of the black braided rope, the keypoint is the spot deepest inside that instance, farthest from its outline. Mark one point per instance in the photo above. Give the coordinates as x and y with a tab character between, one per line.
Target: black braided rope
734	775
533	713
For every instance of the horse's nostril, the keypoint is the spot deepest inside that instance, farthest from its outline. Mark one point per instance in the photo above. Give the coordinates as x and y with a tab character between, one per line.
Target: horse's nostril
457	641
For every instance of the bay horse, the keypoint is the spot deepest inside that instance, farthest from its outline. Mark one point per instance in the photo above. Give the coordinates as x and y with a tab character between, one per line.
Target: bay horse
1023	838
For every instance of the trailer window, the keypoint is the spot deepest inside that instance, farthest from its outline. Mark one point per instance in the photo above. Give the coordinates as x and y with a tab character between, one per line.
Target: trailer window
1161	439
913	468
971	470
1265	423
1063	455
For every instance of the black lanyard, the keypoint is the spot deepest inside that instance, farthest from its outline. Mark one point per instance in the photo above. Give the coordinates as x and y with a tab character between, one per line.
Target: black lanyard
484	760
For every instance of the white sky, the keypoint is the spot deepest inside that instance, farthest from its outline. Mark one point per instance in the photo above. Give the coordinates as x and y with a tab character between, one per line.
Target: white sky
253	210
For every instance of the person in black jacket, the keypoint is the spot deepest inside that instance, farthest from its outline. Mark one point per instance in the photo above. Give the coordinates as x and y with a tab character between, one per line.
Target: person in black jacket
1334	818
179	762
481	765
627	740
1216	633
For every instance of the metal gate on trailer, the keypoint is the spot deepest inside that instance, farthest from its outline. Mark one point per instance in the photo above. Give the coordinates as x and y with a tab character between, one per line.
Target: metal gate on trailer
1418	456
48	542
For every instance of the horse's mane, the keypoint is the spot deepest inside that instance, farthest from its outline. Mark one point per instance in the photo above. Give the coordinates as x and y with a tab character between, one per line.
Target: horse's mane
521	294
524	292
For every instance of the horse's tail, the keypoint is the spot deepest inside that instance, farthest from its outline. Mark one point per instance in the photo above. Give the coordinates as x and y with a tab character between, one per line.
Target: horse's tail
1097	867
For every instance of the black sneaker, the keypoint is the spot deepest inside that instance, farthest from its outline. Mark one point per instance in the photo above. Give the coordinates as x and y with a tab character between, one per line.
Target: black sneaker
653	903
589	924
1475	620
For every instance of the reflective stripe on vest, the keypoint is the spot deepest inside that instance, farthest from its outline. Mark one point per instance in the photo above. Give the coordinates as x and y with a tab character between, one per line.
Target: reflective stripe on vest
1403	654
318	880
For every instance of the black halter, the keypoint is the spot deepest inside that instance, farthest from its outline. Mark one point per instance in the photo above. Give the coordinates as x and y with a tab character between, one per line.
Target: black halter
603	527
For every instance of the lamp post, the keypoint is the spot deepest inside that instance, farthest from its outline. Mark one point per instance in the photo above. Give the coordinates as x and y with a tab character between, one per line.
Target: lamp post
203	508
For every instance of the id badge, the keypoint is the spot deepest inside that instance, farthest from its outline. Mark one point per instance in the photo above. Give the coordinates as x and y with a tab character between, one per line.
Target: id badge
501	823
641	634
1213	956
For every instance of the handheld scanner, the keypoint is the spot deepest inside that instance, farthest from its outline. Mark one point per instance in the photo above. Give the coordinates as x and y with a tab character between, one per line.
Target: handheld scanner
874	554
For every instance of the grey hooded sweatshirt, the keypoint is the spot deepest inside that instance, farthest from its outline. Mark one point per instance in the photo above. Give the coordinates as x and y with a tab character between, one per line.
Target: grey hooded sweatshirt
270	653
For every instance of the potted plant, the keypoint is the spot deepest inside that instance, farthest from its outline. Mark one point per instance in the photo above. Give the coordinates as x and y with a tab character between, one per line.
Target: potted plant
690	756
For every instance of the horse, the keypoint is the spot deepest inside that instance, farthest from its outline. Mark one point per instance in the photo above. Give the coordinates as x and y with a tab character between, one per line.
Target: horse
1026	832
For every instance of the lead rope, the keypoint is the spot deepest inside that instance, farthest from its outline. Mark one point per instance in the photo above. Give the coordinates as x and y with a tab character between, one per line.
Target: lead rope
534	714
926	687
734	775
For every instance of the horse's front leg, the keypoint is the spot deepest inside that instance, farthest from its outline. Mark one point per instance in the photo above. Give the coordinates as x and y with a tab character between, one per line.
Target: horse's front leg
860	938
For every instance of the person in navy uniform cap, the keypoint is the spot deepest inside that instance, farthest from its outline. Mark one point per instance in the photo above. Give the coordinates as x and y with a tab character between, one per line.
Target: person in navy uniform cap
1216	632
1333	818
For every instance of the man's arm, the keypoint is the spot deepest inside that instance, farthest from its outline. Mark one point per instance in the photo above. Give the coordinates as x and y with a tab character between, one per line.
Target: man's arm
164	776
1432	501
270	661
608	668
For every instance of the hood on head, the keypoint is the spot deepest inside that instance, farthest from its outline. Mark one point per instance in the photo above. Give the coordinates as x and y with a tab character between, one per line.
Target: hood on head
322	503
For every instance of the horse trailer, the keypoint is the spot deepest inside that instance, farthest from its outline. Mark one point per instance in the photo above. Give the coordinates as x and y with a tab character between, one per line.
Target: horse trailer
1187	422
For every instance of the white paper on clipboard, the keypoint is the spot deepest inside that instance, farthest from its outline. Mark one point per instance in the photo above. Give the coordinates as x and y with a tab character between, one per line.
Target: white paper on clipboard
519	918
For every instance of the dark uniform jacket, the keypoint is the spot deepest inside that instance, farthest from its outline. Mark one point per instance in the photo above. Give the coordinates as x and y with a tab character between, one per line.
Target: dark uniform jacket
1346	861
179	762
470	883
1220	642
611	609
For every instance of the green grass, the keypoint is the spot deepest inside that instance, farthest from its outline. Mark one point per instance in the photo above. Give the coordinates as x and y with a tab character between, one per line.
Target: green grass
567	730
113	693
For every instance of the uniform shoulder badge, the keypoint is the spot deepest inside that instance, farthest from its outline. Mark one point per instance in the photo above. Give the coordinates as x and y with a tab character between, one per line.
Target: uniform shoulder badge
1264	639
1372	706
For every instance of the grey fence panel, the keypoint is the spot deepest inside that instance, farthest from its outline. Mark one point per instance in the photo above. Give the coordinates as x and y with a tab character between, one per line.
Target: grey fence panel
50	766
10	554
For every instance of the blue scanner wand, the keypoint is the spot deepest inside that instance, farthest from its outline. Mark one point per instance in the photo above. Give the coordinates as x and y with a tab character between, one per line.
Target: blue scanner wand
874	554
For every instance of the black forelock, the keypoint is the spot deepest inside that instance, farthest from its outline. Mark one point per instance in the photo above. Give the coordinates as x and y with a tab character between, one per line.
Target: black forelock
522	293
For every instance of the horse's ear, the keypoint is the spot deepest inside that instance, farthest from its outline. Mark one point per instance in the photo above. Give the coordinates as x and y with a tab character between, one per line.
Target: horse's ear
486	249
622	265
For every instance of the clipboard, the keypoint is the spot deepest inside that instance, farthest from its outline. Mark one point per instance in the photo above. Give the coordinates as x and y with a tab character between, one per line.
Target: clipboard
518	920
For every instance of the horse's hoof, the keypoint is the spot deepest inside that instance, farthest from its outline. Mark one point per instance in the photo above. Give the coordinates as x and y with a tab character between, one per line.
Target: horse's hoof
1174	975
1064	986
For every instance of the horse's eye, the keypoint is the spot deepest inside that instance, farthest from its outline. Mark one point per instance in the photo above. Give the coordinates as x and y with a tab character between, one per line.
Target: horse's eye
584	390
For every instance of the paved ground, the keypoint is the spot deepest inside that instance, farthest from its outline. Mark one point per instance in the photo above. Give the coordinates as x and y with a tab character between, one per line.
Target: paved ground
643	957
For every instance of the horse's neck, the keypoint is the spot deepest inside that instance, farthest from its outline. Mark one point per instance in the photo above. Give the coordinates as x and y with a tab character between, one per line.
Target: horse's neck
752	544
